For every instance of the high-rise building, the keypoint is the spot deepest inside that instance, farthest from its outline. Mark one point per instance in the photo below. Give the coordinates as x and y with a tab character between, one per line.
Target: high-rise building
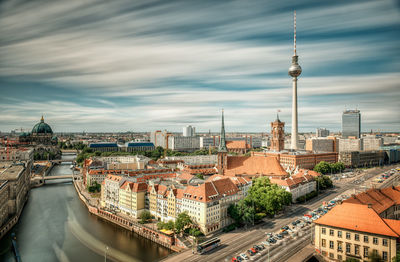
189	131
278	135
322	132
294	72
351	124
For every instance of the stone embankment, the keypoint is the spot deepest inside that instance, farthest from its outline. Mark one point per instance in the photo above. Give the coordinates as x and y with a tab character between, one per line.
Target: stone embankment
156	236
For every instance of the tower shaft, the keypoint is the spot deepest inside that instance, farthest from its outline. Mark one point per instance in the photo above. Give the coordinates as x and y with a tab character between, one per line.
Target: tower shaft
295	135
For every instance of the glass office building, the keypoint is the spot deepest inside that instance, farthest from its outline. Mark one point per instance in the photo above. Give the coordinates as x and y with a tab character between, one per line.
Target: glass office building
351	123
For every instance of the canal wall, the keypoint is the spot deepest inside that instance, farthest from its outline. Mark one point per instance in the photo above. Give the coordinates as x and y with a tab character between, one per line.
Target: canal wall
13	220
156	236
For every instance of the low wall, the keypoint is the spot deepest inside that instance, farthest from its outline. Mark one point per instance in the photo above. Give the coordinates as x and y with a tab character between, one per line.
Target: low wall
142	230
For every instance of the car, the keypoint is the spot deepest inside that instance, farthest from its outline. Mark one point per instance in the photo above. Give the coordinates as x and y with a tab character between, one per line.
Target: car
279	236
269	234
239	258
234	259
251	252
285	232
257	248
244	256
266	243
271	240
285	227
294	223
261	246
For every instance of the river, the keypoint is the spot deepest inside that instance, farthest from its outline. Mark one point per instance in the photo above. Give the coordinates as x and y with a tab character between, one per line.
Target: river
56	226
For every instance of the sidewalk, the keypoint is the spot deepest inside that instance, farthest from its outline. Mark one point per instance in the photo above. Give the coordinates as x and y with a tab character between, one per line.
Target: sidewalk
303	254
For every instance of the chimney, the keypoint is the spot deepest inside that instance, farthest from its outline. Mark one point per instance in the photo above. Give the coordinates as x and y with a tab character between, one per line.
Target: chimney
369	205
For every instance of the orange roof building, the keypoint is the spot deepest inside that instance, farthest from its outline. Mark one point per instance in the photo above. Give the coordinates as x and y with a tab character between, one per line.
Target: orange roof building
254	166
361	224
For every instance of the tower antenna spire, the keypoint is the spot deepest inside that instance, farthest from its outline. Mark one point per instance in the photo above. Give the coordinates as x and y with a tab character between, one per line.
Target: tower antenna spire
294	39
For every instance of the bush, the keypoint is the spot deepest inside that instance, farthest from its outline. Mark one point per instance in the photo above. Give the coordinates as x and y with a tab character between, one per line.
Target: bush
145	216
259	216
229	228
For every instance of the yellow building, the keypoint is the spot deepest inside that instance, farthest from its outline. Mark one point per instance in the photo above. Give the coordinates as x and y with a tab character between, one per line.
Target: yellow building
352	230
132	198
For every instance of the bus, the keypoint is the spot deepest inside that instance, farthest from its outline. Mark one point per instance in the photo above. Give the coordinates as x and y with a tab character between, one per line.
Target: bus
208	245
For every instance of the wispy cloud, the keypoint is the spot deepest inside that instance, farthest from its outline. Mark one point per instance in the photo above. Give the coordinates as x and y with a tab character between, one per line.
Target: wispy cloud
123	65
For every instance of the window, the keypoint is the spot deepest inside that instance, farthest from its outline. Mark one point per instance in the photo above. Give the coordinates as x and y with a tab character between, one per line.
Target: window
384	256
339	246
384	242
348	248
339	257
375	240
323	231
365	251
331	255
366	239
339	234
356	249
331	245
323	243
331	232
357	237
347	235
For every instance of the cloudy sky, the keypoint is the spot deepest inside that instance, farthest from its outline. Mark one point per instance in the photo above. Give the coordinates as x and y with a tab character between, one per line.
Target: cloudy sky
144	65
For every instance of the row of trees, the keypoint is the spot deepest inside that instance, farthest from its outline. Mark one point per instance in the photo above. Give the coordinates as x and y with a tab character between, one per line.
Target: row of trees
67	145
332	168
44	155
183	223
263	199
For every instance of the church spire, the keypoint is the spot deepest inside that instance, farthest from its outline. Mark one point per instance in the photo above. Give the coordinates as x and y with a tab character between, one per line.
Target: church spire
222	142
42	119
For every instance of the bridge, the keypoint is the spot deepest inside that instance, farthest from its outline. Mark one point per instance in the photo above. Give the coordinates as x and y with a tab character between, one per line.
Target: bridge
38	181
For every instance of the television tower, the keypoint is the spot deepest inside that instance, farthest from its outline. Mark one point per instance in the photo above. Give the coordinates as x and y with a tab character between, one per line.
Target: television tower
294	72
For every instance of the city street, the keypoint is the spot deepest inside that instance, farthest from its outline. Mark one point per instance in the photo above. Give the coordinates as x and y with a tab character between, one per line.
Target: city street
240	240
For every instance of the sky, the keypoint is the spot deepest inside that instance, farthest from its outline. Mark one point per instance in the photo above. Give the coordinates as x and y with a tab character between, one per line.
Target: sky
125	65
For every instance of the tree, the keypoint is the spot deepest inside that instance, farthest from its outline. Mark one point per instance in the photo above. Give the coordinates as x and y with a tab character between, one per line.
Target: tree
266	197
145	216
375	257
200	176
350	259
182	221
324	182
397	257
322	167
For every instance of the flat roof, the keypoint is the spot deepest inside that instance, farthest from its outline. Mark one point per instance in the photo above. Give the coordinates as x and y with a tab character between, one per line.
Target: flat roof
12	173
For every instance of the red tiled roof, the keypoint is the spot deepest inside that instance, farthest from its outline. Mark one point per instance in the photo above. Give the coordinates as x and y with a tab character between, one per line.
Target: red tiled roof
237	144
379	201
358	218
211	190
392	193
254	165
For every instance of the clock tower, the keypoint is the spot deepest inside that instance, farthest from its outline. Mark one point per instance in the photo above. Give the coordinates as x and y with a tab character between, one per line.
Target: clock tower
278	135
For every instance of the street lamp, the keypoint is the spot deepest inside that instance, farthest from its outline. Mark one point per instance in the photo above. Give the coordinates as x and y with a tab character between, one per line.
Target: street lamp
105	254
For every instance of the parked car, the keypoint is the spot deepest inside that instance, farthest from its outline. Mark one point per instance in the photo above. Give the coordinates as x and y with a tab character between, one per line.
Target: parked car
279	236
257	248
266	243
234	259
251	252
244	256
239	258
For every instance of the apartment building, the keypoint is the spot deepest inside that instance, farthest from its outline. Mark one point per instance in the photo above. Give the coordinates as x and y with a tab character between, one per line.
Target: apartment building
112	184
355	231
132	198
298	185
365	223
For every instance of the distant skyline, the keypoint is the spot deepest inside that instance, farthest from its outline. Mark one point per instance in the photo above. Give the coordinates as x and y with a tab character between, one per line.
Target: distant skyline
118	66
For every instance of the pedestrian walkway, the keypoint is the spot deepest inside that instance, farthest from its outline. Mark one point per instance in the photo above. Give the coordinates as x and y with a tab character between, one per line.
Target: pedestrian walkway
304	254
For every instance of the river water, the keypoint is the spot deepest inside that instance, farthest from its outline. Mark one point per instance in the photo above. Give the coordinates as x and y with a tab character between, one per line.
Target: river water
56	226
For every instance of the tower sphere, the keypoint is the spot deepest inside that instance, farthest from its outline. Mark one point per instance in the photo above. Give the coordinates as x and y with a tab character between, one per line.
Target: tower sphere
295	68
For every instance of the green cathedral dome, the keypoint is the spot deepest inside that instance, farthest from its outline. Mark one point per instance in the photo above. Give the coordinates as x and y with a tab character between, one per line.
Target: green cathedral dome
42	128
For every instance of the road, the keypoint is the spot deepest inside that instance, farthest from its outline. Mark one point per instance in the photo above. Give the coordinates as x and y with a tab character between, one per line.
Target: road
240	240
